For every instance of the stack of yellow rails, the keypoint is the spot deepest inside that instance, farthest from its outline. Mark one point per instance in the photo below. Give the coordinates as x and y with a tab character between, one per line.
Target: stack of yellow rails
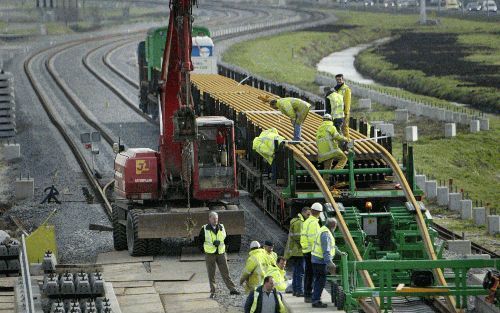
245	99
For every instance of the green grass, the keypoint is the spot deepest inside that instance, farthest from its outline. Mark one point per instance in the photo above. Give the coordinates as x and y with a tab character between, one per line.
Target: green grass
57	29
471	160
479	39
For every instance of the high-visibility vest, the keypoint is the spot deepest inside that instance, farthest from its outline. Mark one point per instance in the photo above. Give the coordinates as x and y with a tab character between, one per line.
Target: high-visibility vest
336	104
345	92
308	233
293	247
210	237
264	143
317	250
296	109
327	138
278	277
254	269
256	294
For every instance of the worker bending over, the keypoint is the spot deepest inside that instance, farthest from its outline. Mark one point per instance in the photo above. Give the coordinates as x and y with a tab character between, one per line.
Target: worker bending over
327	140
277	271
265	145
254	270
296	109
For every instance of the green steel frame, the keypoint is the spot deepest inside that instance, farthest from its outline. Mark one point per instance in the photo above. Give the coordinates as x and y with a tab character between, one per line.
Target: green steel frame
387	287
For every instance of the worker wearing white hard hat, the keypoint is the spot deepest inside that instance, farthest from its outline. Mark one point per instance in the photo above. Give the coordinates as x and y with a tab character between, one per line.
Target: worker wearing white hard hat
310	229
254	270
327	140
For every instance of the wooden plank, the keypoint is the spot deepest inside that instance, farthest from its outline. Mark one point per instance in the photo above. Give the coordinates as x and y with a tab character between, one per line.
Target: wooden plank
5	306
6	283
169	298
6	299
147	303
119	291
110	294
181	287
191	254
134	283
139	291
191	306
120	257
6	293
137	272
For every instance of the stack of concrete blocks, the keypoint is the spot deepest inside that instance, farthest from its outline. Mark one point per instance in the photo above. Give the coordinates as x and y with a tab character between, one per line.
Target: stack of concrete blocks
413	107
411	133
387	129
454	203
7	106
479	216
450	130
460	247
493	224
10	151
466	209
443	195
475	126
431	189
401	115
365	104
24	188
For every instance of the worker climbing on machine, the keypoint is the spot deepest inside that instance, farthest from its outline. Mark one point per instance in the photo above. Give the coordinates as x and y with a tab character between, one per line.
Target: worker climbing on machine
265	299
310	228
322	255
265	145
278	272
212	241
254	270
327	140
345	91
296	109
270	256
293	251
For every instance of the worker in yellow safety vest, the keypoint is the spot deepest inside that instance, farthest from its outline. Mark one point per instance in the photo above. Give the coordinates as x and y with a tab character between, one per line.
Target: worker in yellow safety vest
270	257
254	270
322	260
345	91
278	272
265	146
293	251
336	103
296	109
327	139
212	241
265	299
264	143
310	228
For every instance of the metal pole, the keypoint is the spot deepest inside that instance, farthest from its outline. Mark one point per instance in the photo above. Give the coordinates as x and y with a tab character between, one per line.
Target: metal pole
26	278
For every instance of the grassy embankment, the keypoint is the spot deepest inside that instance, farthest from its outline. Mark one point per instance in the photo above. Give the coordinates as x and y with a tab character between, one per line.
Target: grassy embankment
472	160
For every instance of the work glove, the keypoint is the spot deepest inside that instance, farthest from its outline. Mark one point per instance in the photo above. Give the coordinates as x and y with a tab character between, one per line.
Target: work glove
350	144
216	243
331	268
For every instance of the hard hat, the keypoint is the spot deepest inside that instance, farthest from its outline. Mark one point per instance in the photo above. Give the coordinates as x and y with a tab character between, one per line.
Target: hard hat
254	244
317	207
327	117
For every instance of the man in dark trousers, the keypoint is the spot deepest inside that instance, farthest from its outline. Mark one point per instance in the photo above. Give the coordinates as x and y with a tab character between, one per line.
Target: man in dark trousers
211	241
265	299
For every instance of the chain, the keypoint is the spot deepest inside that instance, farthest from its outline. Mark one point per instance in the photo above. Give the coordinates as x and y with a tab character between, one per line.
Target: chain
187	153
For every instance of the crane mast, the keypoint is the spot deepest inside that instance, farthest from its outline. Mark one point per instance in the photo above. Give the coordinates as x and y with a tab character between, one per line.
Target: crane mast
177	117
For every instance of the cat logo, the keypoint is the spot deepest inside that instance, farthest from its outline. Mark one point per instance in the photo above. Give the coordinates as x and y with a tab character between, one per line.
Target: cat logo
141	166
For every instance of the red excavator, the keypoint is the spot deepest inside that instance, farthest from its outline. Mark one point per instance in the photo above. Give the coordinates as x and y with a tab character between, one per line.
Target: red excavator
168	193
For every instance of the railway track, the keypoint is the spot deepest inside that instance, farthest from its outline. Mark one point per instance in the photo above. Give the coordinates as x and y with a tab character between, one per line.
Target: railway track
79	106
447	234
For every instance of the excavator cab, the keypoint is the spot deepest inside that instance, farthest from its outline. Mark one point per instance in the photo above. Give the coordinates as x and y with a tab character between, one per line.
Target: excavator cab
214	159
